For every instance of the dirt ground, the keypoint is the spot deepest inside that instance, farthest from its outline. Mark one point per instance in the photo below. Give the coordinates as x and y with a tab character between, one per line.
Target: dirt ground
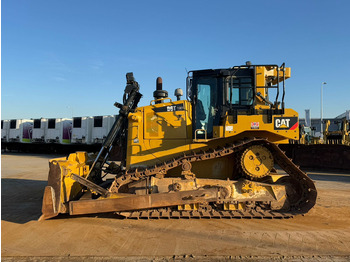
321	235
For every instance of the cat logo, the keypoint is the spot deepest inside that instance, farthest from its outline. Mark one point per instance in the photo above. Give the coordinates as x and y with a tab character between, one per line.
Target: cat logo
282	123
286	123
172	108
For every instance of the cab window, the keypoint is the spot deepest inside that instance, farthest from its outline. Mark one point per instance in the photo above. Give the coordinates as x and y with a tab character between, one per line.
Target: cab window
206	104
239	91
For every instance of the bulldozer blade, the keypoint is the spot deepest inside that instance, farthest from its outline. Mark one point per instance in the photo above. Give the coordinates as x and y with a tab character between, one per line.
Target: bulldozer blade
158	200
52	193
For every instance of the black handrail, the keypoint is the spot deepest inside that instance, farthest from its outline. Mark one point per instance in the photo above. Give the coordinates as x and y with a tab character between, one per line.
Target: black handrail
278	87
284	88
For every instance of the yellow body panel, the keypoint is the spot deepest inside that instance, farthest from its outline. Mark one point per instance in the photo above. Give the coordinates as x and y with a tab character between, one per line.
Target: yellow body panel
260	126
153	135
158	132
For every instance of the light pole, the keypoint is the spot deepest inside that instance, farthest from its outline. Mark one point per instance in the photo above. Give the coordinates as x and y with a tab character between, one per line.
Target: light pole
323	83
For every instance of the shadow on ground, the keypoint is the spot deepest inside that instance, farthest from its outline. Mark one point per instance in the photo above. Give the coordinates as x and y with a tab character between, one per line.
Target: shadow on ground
21	199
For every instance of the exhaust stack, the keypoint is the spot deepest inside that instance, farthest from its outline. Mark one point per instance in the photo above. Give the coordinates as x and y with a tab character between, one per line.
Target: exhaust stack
159	93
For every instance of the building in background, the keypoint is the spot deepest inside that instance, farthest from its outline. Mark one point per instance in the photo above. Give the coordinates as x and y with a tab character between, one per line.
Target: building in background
316	122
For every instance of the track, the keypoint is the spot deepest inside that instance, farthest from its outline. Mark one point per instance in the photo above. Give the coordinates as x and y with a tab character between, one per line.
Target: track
302	203
168	213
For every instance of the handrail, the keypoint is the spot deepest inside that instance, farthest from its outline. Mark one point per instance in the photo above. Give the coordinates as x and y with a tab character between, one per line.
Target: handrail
195	133
278	87
160	99
284	87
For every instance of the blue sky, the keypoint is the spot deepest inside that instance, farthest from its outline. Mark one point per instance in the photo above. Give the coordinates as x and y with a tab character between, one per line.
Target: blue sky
70	57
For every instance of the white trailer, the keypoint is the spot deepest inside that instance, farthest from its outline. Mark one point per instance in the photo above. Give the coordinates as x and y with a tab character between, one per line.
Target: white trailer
5	128
20	130
82	130
39	129
58	130
101	127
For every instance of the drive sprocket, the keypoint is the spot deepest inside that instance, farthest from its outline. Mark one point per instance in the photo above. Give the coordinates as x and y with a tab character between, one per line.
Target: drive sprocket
257	162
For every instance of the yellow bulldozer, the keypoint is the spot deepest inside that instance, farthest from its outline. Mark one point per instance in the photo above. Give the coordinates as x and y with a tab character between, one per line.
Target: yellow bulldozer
340	136
214	154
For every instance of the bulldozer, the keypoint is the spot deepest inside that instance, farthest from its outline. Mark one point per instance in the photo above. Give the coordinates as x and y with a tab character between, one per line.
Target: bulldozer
340	136
214	154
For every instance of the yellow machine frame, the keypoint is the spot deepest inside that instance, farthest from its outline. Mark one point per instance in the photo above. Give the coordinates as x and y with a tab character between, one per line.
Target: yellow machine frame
159	130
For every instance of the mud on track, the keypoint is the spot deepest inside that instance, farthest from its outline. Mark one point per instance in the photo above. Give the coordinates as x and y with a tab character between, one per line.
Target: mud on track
323	234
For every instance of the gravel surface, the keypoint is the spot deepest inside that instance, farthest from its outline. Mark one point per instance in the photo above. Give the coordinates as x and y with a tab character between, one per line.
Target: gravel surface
321	235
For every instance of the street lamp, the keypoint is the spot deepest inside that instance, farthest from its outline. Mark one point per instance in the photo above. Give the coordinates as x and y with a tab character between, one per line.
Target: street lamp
323	83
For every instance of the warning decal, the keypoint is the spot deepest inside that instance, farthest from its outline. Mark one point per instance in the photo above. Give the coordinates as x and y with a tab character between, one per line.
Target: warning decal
254	125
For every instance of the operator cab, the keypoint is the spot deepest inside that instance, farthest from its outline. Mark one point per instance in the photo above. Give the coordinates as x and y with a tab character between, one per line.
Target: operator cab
216	93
